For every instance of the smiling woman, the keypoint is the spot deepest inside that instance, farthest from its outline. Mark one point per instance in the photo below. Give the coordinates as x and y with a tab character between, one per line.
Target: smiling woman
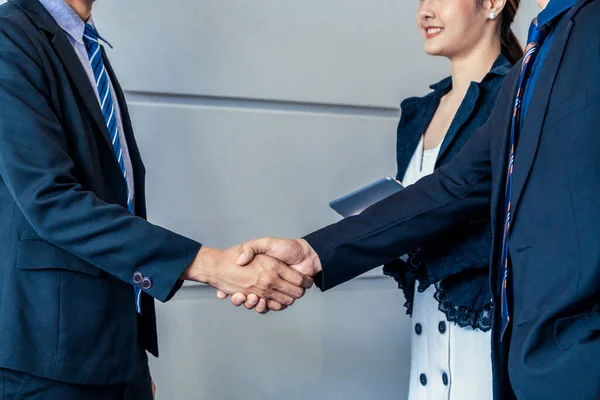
453	18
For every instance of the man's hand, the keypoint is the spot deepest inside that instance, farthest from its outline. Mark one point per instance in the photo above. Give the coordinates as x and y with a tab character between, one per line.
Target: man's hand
264	276
296	253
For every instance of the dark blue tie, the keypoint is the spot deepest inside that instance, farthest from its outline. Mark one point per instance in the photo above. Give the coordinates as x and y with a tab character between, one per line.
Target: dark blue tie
536	37
94	51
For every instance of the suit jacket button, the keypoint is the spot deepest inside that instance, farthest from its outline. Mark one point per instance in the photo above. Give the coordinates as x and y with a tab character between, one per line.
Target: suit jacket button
423	379
146	283
138	277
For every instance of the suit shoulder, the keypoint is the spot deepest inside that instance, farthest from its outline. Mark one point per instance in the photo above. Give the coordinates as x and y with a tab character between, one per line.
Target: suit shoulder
14	23
593	6
17	34
11	13
589	13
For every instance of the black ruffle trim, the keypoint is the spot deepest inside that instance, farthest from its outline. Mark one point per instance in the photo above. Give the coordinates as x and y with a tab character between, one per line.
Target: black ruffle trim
463	316
406	274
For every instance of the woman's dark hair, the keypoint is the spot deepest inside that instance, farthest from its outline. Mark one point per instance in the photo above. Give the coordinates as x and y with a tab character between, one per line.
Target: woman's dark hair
511	47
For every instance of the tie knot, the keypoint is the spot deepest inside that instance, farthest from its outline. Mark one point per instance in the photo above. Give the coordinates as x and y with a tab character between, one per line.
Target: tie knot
537	34
90	34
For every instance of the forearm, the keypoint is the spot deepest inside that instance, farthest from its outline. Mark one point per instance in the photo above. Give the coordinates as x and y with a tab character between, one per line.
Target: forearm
370	240
204	268
106	236
404	221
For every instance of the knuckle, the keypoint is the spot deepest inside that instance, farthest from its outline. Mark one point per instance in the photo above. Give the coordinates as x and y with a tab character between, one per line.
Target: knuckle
271	267
264	280
271	278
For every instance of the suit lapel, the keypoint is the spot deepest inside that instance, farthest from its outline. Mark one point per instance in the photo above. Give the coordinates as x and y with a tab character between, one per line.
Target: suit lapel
70	61
501	152
406	149
462	115
82	83
534	119
134	153
410	129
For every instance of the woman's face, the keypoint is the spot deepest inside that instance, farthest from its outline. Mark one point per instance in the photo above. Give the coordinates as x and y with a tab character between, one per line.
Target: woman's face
451	27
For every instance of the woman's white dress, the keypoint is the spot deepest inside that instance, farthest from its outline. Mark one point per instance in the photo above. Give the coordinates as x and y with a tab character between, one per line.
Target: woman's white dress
447	362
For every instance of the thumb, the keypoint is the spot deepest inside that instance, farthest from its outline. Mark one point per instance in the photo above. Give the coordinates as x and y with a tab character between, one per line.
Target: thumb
253	247
304	269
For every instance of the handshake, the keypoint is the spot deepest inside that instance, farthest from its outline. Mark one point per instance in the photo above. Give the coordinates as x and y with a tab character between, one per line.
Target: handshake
265	274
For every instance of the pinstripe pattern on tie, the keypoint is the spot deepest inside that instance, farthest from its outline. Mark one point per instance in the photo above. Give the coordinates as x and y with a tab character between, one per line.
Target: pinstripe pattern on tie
537	35
94	51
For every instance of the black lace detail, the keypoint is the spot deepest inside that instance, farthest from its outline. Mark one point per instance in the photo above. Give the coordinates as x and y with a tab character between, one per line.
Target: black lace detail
399	270
407	274
463	316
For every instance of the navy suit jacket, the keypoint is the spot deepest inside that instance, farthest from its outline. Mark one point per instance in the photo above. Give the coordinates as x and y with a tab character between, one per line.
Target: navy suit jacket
68	246
553	348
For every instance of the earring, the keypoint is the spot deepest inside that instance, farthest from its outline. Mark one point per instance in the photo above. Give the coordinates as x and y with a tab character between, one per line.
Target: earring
492	15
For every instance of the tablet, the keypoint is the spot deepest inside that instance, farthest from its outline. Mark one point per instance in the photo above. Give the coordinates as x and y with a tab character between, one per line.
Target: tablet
356	202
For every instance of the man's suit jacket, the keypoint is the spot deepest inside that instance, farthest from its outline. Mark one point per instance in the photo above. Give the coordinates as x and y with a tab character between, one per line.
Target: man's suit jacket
69	249
553	349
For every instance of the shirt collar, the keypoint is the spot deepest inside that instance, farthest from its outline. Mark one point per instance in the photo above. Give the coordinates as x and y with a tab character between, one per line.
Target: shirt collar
553	10
68	19
500	68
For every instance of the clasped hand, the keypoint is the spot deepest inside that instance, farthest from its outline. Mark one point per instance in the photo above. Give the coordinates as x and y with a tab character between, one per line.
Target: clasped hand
297	255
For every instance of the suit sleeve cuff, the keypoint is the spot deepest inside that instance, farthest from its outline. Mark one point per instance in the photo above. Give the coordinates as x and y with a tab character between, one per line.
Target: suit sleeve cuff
320	242
165	274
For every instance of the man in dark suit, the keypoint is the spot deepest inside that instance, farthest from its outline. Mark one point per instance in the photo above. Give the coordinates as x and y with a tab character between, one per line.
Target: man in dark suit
79	264
545	275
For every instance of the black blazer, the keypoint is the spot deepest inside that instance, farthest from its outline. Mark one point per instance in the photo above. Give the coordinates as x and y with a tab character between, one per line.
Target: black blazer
68	246
553	349
457	265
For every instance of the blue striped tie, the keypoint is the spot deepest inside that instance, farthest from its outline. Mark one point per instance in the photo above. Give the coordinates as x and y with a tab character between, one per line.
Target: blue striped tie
94	51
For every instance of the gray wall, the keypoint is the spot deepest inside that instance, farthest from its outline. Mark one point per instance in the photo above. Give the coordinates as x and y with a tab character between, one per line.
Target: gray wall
251	116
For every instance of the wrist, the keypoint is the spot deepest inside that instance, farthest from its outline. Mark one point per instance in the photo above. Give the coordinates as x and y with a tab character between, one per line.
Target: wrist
312	256
203	267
